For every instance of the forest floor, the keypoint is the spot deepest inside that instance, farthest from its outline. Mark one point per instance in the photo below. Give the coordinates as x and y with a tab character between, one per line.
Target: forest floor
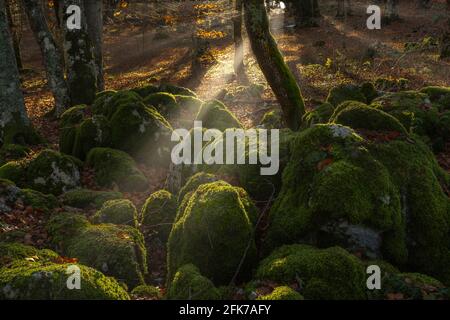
338	51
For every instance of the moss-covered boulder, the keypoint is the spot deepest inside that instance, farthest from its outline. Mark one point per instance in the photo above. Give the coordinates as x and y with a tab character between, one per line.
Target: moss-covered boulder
393	85
215	115
84	198
319	114
360	116
194	182
189	284
119	211
328	274
439	96
147	292
11	253
218	242
92	132
116	167
158	213
115	250
11	152
189	103
108	104
346	92
282	293
367	196
101	100
48	171
165	103
272	120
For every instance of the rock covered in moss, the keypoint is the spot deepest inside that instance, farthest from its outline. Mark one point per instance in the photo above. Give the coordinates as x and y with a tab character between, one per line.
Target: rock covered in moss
92	132
165	103
282	293
272	120
84	198
194	182
118	211
116	167
361	116
18	252
101	100
189	284
319	114
189	103
339	189
345	92
147	291
329	274
439	96
158	213
73	116
393	85
115	250
216	241
215	115
48	171
11	152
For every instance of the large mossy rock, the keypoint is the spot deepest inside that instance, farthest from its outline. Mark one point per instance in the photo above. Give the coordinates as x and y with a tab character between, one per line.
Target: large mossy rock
118	211
439	96
84	198
328	274
165	103
282	293
116	167
118	251
48	171
158	213
28	273
189	284
216	241
347	92
215	115
381	199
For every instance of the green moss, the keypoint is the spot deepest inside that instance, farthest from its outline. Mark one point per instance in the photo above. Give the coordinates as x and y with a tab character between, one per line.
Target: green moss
101	100
439	95
282	293
73	116
273	120
189	284
142	132
164	103
116	167
110	103
176	90
385	84
194	182
329	274
158	213
38	200
67	137
369	91
12	152
48	171
13	252
215	115
14	131
214	240
320	114
189	103
345	92
84	198
360	116
119	211
92	132
146	90
116	250
48	281
147	292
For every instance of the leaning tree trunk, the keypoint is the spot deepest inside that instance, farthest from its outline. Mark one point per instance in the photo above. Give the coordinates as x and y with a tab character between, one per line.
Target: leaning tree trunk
53	60
272	63
15	127
14	34
80	63
239	68
94	18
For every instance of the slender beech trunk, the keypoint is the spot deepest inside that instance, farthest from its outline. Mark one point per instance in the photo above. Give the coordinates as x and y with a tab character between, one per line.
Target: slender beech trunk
94	18
272	63
53	60
392	10
14	34
15	127
445	39
80	65
239	68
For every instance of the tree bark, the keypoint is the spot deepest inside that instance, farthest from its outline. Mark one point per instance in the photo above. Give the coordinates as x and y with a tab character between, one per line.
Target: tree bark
14	34
239	68
306	12
272	63
392	10
445	39
54	64
94	18
15	127
80	63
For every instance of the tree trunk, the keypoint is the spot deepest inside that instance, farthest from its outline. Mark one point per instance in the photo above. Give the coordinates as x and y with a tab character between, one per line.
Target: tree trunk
14	34
306	12
344	8
239	68
272	63
54	64
445	40
15	127
392	10
94	18
80	63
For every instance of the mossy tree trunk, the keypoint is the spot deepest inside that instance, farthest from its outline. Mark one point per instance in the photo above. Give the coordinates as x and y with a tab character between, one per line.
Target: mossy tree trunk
94	18
15	127
306	12
14	33
272	63
239	68
80	65
53	60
